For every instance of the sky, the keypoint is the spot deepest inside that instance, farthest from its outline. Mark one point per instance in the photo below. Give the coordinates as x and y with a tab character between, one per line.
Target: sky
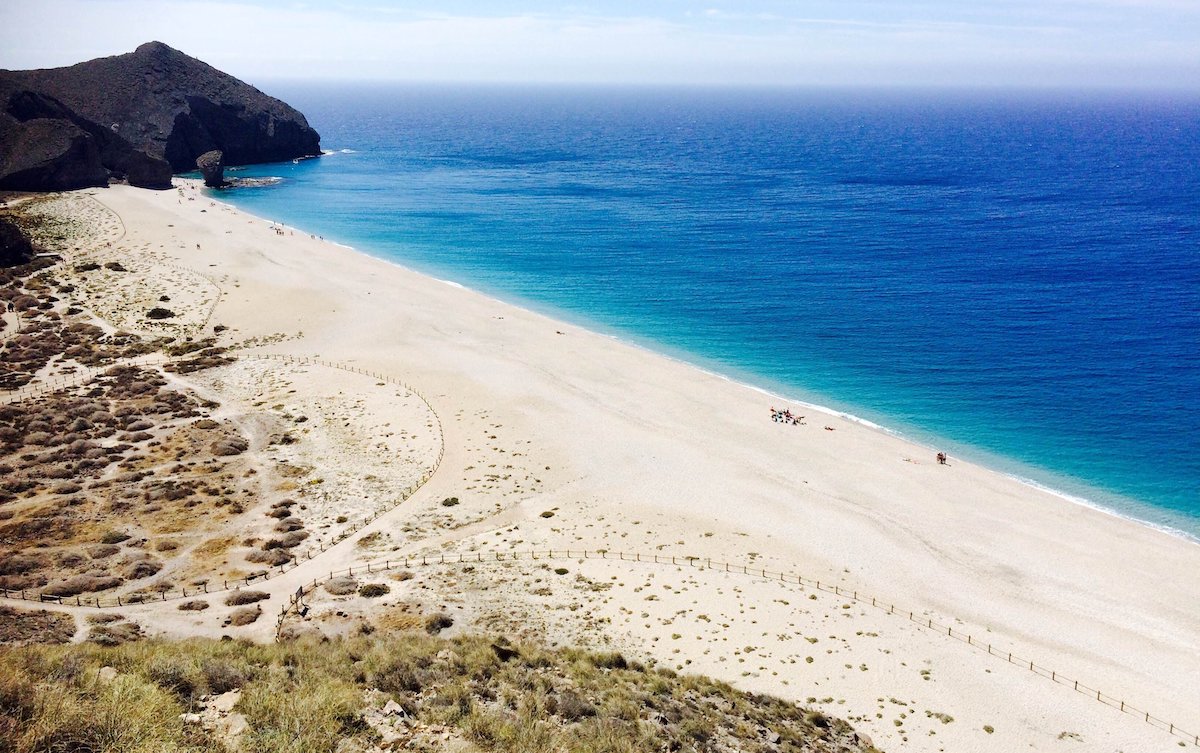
836	43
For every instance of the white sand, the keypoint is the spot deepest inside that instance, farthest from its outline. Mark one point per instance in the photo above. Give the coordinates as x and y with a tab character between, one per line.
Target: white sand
633	451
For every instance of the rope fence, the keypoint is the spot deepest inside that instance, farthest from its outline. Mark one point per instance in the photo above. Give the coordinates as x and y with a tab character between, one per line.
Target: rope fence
296	602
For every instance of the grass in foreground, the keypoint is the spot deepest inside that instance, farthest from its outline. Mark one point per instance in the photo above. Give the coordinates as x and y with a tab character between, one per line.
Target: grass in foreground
322	696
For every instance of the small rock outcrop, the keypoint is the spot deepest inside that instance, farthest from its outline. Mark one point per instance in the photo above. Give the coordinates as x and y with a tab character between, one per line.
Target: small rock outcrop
138	117
212	167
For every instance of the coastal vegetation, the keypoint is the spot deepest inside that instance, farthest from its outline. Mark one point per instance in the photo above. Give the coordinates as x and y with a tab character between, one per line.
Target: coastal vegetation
409	691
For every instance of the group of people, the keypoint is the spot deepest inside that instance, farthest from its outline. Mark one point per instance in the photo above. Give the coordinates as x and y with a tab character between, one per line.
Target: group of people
785	416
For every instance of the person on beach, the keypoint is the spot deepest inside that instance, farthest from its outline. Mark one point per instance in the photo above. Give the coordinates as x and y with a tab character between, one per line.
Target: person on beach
941	458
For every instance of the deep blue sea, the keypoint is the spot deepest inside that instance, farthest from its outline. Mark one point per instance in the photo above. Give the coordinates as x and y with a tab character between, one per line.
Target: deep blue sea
1014	278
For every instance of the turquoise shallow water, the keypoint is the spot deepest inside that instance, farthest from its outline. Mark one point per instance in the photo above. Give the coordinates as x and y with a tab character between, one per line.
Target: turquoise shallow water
1014	278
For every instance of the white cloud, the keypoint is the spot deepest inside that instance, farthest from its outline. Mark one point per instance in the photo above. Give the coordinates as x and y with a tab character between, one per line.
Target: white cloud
996	42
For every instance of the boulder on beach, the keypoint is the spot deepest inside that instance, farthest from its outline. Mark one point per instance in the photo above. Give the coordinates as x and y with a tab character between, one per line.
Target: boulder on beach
212	167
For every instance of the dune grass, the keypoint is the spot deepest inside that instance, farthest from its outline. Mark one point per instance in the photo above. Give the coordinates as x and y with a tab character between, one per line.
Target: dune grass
308	696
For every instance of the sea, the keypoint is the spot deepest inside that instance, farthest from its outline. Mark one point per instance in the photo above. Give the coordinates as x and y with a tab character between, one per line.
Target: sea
1010	277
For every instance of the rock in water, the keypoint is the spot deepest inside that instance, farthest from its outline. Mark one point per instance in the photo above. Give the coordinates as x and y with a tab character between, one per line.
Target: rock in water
212	167
140	117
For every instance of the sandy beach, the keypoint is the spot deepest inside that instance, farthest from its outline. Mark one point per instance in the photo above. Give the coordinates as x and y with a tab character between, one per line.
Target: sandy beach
551	437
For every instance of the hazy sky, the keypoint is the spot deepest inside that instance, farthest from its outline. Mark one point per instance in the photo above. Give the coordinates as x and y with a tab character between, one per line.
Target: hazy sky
1123	43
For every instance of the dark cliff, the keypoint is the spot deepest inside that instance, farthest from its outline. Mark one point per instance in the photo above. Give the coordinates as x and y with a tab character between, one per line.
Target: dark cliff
138	116
45	146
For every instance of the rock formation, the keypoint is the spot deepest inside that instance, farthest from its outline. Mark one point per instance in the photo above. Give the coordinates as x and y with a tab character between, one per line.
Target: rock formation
45	146
212	167
137	117
15	248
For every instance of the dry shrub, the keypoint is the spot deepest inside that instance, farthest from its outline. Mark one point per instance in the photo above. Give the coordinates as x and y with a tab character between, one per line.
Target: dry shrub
70	559
142	569
608	660
114	634
293	539
341	586
573	707
176	673
437	622
195	605
238	598
375	590
22	564
272	557
18	626
244	616
222	676
287	541
229	446
289	524
83	583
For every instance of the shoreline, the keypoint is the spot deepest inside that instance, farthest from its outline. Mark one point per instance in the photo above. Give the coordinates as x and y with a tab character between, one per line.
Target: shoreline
561	438
985	459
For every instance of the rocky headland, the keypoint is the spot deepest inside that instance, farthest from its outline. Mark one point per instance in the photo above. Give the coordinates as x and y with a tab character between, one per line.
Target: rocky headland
137	117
